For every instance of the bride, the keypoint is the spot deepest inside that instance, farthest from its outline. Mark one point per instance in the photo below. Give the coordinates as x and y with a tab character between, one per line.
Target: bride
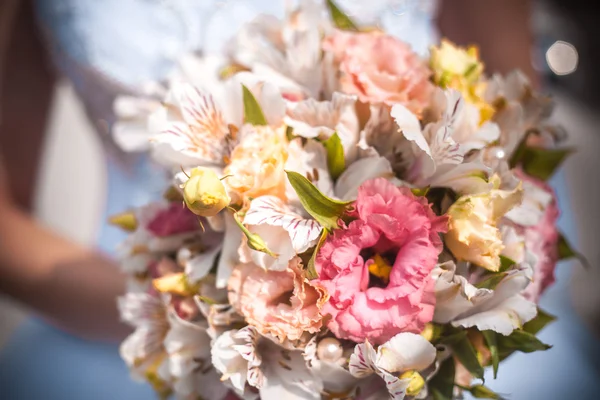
109	48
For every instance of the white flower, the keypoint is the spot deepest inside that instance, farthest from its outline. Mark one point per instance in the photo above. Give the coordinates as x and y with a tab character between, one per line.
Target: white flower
336	378
320	119
502	310
188	349
194	127
144	349
404	352
246	358
435	155
285	51
285	232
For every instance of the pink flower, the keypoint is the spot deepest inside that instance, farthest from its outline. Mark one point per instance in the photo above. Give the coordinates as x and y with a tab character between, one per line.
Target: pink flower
394	228
279	303
542	240
379	68
173	220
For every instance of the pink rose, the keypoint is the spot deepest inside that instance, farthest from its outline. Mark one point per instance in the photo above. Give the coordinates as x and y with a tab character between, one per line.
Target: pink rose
173	220
379	68
279	303
542	241
394	228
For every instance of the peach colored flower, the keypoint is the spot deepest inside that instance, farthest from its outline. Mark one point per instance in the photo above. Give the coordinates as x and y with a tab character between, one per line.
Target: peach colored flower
380	68
257	164
279	303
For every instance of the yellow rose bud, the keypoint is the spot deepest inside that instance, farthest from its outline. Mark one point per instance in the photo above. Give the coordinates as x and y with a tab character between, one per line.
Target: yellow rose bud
473	235
416	382
175	284
204	193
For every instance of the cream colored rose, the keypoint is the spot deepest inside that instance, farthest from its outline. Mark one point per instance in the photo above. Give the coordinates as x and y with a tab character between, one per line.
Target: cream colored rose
257	164
473	234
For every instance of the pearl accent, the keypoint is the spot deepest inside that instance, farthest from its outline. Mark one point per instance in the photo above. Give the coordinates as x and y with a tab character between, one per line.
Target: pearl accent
329	350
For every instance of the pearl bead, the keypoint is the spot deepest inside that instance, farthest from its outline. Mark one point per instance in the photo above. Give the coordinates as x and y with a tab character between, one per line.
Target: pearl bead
329	350
500	154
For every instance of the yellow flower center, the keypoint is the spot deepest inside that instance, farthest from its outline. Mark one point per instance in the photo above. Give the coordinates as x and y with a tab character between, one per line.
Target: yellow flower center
380	268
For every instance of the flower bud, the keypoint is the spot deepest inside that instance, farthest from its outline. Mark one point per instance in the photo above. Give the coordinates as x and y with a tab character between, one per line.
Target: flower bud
126	221
175	284
416	382
204	193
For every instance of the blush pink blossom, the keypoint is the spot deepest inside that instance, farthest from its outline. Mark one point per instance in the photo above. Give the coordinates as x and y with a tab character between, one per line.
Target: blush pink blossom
173	220
283	304
542	241
380	68
400	228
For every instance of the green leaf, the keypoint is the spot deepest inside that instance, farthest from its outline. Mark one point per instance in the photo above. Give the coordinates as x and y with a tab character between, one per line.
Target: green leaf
482	392
335	155
339	18
505	263
324	210
311	272
253	114
441	385
492	344
538	162
465	353
565	251
522	341
539	322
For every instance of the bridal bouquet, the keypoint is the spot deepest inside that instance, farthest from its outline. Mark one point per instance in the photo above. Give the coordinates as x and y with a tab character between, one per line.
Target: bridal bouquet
346	219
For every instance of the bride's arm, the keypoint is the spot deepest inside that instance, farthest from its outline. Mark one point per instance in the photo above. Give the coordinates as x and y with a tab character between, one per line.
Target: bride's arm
71	286
501	29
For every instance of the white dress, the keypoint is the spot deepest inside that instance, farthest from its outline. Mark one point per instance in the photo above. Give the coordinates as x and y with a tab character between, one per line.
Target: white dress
107	47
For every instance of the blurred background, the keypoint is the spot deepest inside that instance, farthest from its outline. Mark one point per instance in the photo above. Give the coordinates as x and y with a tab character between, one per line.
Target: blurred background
71	185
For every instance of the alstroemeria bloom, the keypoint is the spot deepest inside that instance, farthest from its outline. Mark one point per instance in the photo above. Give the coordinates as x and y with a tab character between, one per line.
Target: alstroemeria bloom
320	119
188	348
405	352
197	124
377	269
435	155
247	359
143	351
502	310
380	68
473	235
282	304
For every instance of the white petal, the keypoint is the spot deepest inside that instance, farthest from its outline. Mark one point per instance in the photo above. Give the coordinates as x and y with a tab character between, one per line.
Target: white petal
505	317
362	361
270	210
467	178
405	351
360	171
142	309
454	294
198	266
229	254
132	135
410	126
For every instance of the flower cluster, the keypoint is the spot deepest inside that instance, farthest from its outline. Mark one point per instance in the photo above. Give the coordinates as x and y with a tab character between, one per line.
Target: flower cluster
346	219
